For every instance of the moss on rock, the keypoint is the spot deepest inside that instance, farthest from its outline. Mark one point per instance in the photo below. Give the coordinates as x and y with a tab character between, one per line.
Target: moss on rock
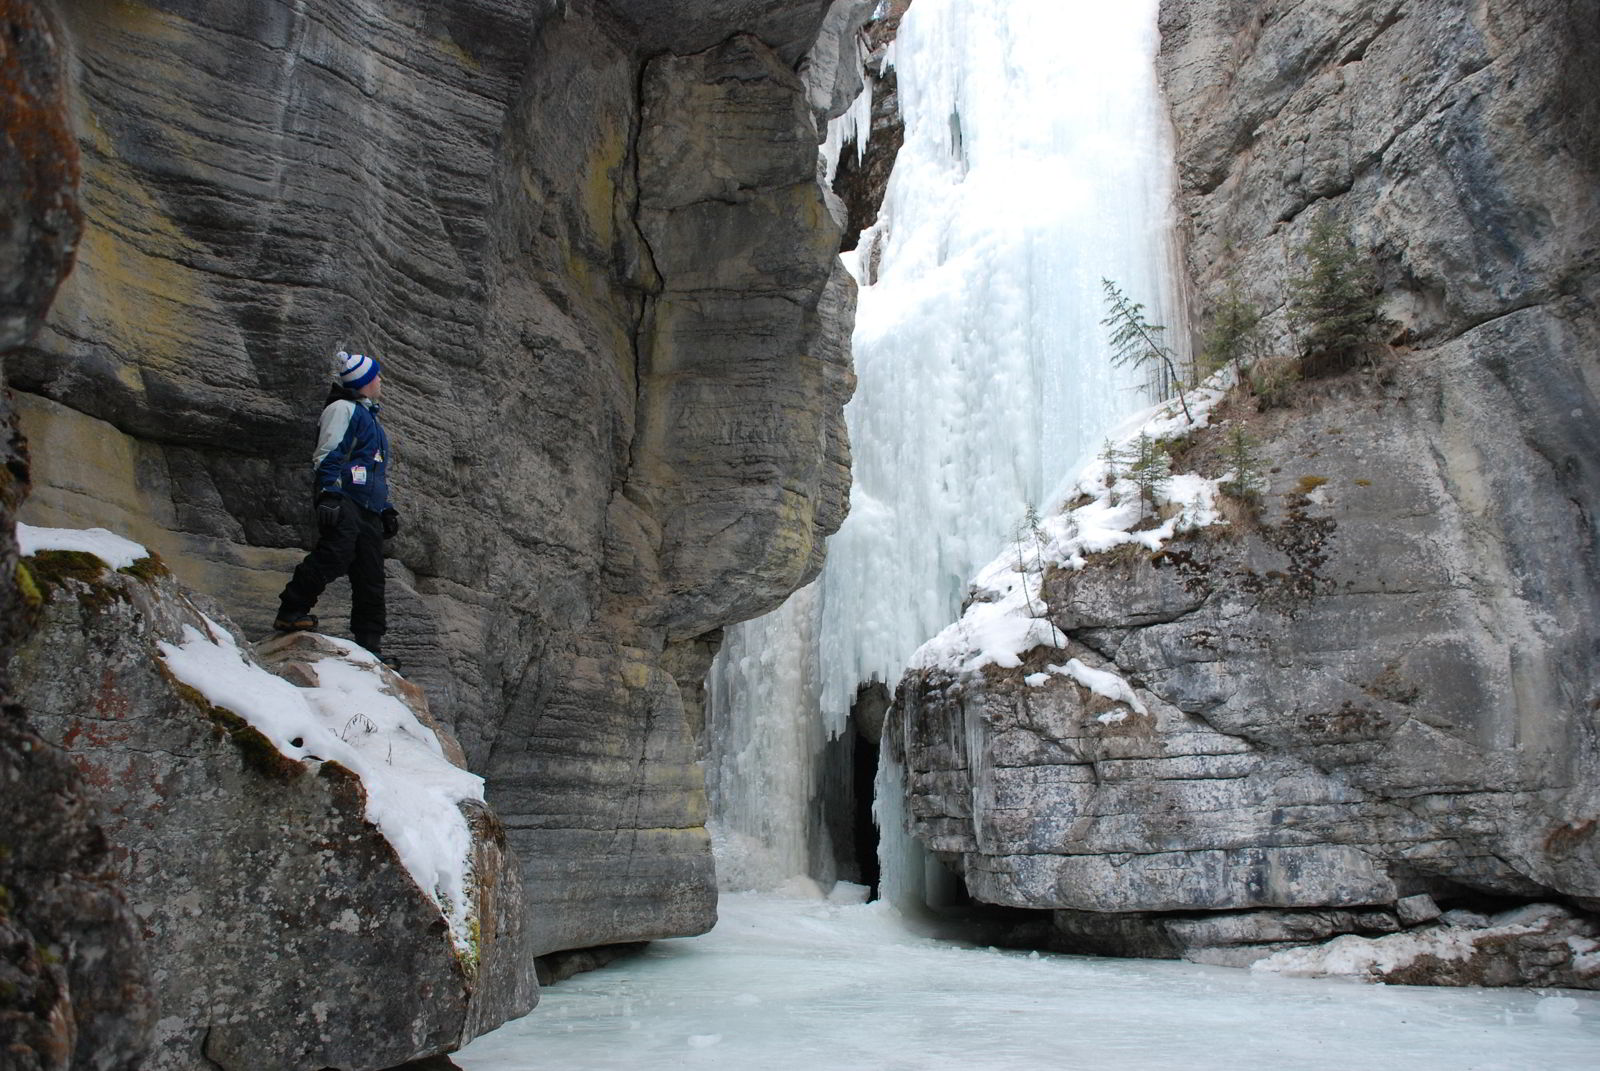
52	568
259	753
149	569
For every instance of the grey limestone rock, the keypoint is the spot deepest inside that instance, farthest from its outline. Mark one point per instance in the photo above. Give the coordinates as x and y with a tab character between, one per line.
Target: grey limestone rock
1457	142
1344	705
789	27
266	903
832	70
1382	685
1538	944
1414	910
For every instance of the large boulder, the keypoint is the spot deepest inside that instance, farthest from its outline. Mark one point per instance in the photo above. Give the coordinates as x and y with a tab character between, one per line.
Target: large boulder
1341	701
269	888
1326	714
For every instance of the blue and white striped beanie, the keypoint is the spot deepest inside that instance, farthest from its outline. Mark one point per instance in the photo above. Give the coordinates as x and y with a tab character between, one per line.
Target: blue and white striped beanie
356	370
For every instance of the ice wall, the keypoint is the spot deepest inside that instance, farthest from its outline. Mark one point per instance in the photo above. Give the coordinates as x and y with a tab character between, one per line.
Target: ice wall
1037	160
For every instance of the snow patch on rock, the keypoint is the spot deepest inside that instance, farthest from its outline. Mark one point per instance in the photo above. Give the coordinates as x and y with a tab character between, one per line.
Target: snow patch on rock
114	550
1005	613
413	791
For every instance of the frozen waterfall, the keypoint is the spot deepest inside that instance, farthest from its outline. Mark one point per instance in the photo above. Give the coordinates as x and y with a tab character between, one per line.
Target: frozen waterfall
1036	161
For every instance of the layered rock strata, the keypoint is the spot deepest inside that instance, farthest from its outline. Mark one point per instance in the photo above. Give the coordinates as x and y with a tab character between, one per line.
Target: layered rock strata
265	898
588	243
1381	685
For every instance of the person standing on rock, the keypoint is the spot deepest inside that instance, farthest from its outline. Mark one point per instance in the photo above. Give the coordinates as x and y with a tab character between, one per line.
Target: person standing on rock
354	515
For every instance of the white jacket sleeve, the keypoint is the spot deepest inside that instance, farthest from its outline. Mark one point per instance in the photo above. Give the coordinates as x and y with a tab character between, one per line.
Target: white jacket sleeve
331	428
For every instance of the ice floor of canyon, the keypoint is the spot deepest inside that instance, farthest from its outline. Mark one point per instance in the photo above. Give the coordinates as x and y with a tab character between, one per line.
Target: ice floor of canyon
813	986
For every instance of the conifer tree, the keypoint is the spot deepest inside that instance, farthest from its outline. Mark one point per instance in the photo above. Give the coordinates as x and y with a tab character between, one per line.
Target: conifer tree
1235	335
1030	540
1335	303
1245	480
1137	341
1150	469
1114	460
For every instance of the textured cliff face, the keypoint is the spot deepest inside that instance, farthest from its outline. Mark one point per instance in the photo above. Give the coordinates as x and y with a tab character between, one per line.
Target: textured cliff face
1384	685
587	241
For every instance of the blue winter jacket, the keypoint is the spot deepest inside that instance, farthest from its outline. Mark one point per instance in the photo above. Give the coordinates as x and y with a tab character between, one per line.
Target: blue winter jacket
352	457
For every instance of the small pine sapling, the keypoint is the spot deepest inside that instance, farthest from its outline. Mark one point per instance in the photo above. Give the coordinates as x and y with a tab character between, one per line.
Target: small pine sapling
1116	461
1334	305
1235	335
1137	341
1150	469
1030	542
1245	480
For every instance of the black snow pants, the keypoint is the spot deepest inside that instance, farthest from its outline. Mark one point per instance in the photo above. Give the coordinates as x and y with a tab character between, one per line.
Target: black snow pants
354	549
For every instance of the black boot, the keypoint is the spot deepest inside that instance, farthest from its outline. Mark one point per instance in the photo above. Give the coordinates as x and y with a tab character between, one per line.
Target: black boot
293	622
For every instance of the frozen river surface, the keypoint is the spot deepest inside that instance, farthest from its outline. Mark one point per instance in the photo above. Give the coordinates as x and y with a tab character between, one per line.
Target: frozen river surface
793	985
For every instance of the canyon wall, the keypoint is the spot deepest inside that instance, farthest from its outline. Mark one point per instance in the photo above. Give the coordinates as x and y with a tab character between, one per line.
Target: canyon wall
587	241
278	918
1381	686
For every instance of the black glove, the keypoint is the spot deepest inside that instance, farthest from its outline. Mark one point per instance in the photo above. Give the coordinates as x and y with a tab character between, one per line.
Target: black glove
391	523
328	504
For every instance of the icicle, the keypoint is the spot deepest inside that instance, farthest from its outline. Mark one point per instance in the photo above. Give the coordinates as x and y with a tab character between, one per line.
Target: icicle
855	125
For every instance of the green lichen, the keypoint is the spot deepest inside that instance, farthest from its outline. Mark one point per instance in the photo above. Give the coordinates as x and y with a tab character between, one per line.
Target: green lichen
471	956
61	570
32	597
